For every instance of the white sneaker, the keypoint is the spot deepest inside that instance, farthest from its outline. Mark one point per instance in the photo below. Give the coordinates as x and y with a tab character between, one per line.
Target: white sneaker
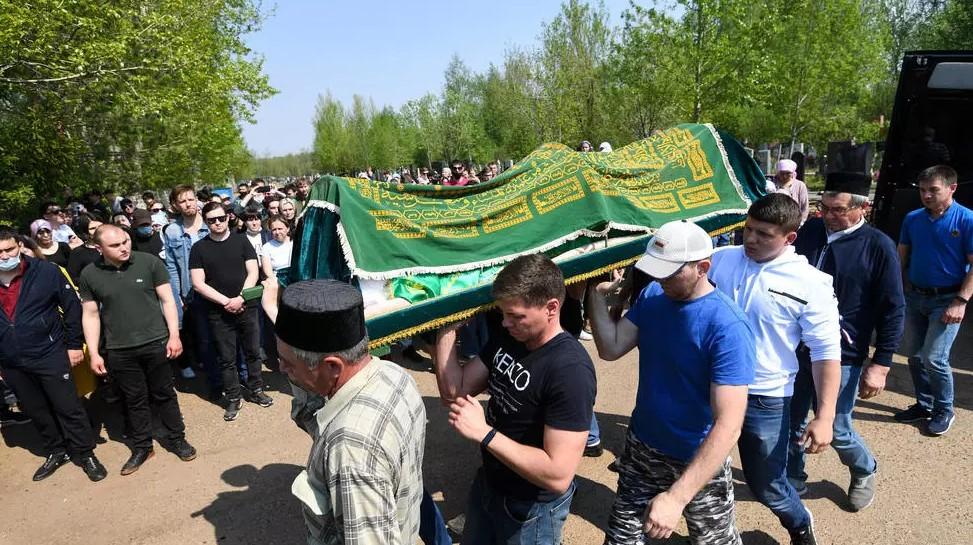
585	336
187	372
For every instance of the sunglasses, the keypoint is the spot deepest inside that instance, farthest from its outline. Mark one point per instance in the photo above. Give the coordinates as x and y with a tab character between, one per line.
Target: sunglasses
216	219
159	209
55	211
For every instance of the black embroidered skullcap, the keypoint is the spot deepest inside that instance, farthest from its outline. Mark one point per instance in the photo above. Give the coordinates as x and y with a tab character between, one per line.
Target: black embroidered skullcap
321	316
855	183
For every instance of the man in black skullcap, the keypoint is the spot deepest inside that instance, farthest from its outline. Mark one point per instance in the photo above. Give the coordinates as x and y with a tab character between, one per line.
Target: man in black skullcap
865	268
363	482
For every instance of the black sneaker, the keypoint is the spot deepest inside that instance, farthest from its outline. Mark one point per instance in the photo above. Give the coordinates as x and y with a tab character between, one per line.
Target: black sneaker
232	410
93	468
940	422
260	398
805	535
915	413
50	465
10	418
593	451
184	450
139	456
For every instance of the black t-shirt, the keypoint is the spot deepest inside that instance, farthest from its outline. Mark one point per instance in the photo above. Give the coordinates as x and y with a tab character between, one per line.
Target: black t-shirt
552	386
151	244
60	257
224	262
81	257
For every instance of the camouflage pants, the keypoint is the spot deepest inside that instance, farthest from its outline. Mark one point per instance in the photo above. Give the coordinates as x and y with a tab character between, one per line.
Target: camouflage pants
644	472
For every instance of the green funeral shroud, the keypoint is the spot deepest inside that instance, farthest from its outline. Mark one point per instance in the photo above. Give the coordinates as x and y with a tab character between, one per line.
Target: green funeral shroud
421	237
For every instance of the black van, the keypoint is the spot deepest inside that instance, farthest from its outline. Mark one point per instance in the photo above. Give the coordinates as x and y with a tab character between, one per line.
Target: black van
932	123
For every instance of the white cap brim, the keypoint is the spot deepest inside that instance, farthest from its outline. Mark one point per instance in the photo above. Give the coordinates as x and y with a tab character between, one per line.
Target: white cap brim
659	269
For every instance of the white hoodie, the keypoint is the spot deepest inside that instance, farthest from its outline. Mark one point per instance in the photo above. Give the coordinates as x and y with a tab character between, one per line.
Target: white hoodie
787	301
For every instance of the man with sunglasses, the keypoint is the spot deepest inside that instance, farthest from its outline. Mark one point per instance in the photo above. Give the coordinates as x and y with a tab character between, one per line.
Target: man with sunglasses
222	265
61	232
865	267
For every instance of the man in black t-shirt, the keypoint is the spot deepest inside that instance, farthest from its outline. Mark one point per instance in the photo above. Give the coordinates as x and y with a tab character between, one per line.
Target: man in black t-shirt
542	392
221	266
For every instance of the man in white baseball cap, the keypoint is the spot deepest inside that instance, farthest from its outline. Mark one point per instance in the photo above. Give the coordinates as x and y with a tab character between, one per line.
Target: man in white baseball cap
786	182
696	357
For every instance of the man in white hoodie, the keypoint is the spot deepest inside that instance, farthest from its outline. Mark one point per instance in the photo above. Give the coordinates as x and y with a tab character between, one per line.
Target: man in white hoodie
787	302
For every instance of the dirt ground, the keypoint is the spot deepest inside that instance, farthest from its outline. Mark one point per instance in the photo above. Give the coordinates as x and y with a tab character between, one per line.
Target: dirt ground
238	490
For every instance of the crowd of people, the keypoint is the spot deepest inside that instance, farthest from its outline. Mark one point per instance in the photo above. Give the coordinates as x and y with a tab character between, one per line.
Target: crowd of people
737	345
152	279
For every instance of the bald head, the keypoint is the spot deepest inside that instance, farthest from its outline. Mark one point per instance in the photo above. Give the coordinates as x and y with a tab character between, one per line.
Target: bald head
114	244
106	229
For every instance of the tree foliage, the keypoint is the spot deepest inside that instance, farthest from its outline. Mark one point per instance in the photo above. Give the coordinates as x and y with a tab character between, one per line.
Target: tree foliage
123	94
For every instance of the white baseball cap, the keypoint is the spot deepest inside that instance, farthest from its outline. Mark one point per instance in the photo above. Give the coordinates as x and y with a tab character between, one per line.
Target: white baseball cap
674	244
786	165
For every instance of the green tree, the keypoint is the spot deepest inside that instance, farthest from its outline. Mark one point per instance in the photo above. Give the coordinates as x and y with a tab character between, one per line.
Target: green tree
123	94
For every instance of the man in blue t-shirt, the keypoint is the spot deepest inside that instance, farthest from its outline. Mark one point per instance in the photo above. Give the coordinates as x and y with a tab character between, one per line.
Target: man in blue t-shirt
936	250
696	358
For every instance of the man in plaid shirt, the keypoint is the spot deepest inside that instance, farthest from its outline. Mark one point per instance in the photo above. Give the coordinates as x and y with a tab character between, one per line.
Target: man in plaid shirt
363	482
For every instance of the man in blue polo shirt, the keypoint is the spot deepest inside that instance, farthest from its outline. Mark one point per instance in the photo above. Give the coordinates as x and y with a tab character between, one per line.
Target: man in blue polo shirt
696	357
936	250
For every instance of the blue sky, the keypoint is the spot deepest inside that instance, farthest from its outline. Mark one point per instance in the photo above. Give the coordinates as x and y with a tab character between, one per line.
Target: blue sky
389	51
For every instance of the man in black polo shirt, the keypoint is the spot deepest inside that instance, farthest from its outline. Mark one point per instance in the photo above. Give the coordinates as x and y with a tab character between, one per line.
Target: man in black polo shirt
127	295
222	265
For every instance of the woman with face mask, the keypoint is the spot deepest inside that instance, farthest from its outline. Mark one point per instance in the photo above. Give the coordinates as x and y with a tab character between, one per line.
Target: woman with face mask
55	252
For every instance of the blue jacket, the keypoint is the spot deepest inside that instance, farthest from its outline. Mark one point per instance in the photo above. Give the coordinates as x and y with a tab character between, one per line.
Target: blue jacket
178	243
40	334
868	284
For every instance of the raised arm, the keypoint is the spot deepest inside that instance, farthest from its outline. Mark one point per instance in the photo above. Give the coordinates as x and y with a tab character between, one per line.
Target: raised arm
613	338
455	380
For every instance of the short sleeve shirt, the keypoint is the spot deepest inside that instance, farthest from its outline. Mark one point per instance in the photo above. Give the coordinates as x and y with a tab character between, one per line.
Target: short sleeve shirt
131	314
224	262
938	247
553	385
684	347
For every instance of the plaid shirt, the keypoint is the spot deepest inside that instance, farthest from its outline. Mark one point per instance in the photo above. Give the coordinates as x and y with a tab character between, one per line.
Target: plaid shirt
363	483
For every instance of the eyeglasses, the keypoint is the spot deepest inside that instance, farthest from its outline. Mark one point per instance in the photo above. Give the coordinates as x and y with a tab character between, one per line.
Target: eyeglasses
43	231
216	219
836	210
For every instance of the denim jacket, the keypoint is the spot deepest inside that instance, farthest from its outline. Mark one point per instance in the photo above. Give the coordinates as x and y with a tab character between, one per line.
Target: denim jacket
178	243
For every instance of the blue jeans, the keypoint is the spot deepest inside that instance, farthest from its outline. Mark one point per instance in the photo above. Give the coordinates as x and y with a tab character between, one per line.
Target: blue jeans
927	342
494	519
850	447
432	528
763	455
594	433
198	311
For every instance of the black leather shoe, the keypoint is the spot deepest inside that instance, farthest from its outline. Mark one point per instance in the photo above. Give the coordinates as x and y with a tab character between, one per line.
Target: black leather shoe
50	465
93	468
594	451
139	456
184	450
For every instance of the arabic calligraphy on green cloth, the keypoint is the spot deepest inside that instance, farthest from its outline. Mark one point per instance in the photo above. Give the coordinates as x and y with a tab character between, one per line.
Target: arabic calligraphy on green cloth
553	197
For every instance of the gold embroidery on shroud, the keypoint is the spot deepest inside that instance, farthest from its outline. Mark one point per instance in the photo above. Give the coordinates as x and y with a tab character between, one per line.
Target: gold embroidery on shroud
699	196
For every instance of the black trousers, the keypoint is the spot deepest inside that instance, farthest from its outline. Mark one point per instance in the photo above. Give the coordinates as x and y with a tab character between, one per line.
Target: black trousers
144	376
48	396
229	332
